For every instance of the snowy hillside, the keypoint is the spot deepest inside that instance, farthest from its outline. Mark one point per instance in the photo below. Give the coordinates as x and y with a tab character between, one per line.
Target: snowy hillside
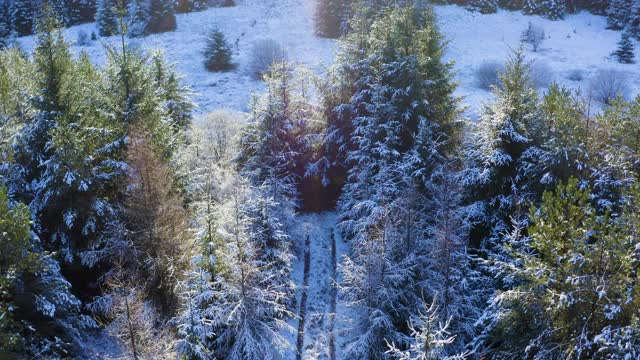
579	42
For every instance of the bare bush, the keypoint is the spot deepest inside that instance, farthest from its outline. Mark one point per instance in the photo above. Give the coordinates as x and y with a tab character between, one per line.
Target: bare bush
488	74
541	74
533	35
608	84
264	54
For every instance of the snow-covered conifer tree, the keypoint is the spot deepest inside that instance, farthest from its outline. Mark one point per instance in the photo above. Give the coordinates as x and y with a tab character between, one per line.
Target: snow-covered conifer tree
495	176
572	275
618	13
107	17
552	9
624	54
22	15
162	16
138	17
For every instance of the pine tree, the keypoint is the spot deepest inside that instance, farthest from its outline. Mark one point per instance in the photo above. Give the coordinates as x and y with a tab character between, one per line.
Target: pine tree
218	52
5	23
22	16
552	9
162	16
245	290
572	273
505	135
483	6
36	299
625	52
107	17
329	18
618	13
138	17
173	96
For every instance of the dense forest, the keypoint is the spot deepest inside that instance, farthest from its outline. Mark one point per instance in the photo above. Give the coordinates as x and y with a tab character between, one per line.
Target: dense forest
512	236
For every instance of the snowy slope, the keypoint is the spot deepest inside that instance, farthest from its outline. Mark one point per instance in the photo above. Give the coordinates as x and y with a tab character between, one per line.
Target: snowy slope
287	21
579	42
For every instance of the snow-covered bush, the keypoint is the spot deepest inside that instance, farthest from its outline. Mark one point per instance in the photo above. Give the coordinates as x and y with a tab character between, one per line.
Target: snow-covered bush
483	6
608	84
83	38
488	74
533	35
541	74
576	75
264	54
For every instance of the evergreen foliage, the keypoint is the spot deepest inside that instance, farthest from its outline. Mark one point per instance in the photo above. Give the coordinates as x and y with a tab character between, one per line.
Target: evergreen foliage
162	16
618	13
107	17
625	52
330	16
505	137
572	274
218	52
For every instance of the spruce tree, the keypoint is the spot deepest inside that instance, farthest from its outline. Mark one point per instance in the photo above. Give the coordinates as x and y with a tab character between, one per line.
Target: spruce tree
483	6
552	9
22	15
138	17
329	17
634	21
107	17
564	150
396	143
572	274
5	23
173	95
162	16
218	52
618	13
185	6
625	52
36	299
504	137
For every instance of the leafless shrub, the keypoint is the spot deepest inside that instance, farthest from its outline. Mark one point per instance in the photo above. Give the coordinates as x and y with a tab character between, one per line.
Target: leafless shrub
264	54
608	84
541	74
533	35
488	74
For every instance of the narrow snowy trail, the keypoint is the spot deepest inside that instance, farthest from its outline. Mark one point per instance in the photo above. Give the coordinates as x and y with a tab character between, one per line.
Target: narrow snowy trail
321	319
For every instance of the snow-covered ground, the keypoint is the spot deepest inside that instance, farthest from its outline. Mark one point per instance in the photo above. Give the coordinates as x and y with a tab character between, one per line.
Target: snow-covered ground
289	22
579	42
318	319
